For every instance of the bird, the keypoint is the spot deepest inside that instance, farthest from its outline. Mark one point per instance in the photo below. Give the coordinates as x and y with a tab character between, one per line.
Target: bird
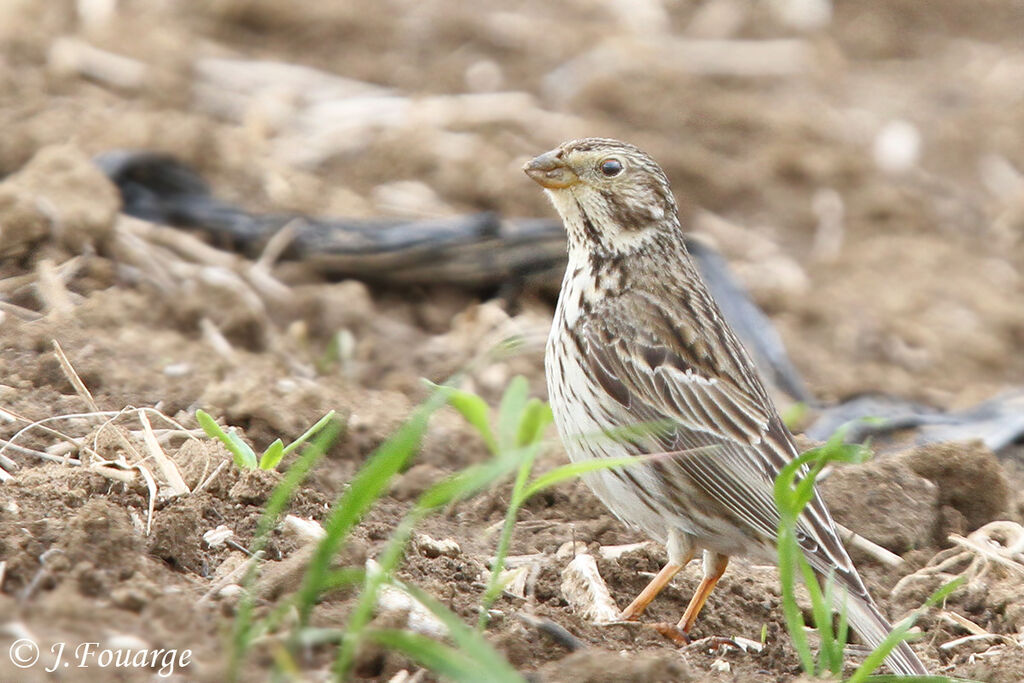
641	362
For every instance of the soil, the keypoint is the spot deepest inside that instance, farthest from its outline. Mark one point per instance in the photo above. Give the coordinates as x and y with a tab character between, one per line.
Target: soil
897	279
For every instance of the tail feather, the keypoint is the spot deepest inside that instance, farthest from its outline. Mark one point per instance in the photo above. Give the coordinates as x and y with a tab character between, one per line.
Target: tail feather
867	620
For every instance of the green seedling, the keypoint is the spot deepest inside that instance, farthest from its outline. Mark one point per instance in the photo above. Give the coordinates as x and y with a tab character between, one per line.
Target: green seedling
794	489
518	432
242	453
243	632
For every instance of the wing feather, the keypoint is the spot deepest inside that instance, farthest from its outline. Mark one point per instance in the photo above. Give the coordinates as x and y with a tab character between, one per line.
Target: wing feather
728	437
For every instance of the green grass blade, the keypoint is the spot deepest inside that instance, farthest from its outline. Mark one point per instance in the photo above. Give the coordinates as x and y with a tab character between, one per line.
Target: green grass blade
210	426
536	418
437	657
465	638
308	434
789	553
460	485
837	645
370	482
343	578
355	630
791	496
272	456
279	497
473	409
494	582
465	483
632	432
510	412
900	632
243	456
891	678
575	469
829	658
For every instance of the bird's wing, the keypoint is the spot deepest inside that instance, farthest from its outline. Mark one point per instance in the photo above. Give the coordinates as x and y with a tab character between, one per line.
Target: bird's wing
685	368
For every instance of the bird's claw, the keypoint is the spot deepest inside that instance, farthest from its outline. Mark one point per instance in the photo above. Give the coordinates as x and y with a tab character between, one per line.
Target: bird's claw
672	632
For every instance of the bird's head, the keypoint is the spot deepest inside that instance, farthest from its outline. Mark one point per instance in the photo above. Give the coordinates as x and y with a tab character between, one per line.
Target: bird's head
611	196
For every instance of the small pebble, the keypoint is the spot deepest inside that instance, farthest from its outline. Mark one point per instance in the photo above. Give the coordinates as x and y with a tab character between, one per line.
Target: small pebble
431	547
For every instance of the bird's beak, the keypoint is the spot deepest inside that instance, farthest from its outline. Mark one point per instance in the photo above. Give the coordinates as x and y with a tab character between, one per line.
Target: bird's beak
549	171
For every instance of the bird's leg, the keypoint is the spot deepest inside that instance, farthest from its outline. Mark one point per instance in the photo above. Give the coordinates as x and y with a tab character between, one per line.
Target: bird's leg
680	552
714	567
639	604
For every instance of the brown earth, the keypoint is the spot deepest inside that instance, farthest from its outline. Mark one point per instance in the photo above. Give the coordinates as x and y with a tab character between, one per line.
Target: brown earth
901	281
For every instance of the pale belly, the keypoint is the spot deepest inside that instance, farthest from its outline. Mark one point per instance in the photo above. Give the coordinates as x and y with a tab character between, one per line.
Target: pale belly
580	416
582	412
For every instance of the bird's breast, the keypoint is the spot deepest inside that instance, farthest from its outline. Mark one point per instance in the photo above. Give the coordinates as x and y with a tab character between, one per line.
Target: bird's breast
579	407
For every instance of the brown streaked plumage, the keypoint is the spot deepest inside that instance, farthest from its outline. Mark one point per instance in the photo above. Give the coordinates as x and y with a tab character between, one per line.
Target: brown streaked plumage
637	340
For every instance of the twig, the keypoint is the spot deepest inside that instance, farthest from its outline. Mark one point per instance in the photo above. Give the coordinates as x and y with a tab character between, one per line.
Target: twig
4	445
40	424
113	472
988	554
38	577
151	485
975	638
973	553
277	244
8	463
73	56
73	377
964	623
876	551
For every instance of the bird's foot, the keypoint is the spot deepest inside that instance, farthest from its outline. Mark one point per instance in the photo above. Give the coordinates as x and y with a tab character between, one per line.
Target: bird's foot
672	632
629	615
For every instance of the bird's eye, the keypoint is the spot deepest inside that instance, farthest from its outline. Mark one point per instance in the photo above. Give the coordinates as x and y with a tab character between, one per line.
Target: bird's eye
611	167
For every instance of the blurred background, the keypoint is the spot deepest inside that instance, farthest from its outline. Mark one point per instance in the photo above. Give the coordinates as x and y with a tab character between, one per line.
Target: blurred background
865	157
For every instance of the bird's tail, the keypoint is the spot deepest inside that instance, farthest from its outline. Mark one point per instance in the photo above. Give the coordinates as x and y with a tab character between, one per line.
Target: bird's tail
865	618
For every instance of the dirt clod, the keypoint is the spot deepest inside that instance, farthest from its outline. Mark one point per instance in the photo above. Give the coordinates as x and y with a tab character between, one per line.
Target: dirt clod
60	194
885	502
100	535
254	486
970	479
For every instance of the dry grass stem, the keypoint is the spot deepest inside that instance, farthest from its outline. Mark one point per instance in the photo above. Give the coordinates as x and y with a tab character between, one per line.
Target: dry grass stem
113	472
210	479
70	56
217	341
73	378
167	467
876	551
964	623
